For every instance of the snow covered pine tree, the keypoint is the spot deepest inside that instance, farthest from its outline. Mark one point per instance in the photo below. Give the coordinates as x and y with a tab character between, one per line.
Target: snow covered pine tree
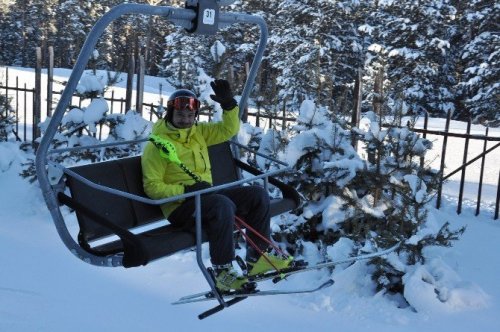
91	124
359	205
7	119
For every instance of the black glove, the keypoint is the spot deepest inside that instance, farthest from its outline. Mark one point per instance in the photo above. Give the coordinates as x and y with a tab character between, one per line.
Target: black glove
223	94
197	186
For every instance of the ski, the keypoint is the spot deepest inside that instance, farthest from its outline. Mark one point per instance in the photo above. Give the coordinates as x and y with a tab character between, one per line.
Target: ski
207	296
284	273
233	297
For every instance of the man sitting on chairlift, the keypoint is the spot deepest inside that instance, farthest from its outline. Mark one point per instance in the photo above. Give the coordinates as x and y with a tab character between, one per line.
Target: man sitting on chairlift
191	172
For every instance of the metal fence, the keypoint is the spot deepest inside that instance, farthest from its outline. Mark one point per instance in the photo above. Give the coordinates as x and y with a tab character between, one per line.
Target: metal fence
20	97
27	130
490	166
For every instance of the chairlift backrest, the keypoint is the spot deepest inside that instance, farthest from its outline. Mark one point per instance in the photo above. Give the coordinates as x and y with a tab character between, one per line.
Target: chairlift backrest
126	175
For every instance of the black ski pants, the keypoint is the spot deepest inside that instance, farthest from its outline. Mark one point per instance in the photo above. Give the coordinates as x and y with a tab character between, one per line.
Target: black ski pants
250	203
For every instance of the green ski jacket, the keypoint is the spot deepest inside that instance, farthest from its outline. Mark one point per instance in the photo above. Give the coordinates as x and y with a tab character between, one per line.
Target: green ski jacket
163	178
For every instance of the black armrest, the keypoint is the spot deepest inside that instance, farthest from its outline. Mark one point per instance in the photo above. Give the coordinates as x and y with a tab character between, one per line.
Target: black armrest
133	249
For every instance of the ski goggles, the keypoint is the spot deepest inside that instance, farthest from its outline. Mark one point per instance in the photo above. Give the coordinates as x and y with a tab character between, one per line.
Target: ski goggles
181	103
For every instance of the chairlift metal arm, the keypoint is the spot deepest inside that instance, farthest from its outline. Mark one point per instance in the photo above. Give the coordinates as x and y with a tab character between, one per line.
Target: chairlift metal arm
41	156
170	199
179	16
259	154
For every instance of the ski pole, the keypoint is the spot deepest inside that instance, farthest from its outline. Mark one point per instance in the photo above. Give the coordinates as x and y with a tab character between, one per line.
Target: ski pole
167	151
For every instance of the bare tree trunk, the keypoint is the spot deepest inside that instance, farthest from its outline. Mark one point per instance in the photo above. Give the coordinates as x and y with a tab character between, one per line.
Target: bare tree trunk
378	101
130	79
50	80
140	85
378	90
149	43
319	85
37	97
358	95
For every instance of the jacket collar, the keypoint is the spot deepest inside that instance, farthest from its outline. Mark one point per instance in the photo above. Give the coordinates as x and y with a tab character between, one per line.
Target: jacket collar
164	128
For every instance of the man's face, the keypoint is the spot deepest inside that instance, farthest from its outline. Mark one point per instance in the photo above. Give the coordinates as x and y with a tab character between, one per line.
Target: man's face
183	118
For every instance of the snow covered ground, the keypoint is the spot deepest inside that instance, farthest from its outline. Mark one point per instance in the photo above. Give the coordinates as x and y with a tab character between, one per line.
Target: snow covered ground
43	287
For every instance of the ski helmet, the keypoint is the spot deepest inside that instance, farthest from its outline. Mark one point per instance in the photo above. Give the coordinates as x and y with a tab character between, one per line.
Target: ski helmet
182	99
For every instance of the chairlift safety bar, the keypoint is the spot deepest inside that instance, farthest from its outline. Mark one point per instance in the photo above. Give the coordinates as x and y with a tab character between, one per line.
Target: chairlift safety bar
142	140
150	201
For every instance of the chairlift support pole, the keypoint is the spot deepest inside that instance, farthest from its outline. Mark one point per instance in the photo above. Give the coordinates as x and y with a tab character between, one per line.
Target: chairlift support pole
199	17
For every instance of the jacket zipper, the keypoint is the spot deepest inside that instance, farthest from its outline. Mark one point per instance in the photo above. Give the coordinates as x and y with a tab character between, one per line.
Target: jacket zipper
204	162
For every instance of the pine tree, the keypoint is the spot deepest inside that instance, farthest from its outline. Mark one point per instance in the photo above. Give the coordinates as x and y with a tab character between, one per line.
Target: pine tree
7	119
73	26
480	57
12	33
371	202
324	163
35	20
323	51
411	43
391	201
4	24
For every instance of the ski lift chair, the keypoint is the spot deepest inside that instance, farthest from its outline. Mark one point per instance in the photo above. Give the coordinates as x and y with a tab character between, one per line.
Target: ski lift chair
102	212
119	225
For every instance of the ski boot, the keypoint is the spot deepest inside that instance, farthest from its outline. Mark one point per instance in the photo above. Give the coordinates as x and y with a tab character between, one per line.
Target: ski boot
227	278
270	260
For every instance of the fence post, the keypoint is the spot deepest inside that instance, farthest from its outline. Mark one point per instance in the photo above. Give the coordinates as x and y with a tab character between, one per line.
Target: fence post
426	123
112	102
498	198
25	111
443	157
462	179
50	80
140	85
6	82
17	106
160	115
37	96
130	80
483	160
257	117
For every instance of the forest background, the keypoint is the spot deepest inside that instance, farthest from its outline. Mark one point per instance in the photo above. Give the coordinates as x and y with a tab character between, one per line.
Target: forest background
411	57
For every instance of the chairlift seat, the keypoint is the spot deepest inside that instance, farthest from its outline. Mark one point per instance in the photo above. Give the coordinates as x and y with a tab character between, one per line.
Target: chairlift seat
126	214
